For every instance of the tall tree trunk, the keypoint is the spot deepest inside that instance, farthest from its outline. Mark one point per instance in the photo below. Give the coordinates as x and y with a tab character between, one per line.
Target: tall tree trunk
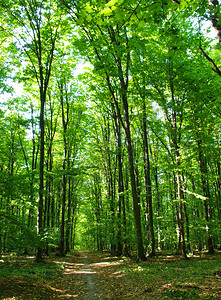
98	211
158	208
175	205
65	122
148	181
68	225
206	194
136	200
63	207
41	175
186	217
180	214
218	184
110	185
123	82
187	227
121	201
33	167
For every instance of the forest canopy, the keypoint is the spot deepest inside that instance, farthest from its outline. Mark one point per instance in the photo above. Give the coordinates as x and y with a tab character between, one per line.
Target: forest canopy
110	126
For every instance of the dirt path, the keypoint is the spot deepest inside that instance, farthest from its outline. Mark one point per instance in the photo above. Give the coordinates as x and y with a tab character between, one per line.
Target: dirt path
97	275
82	277
94	291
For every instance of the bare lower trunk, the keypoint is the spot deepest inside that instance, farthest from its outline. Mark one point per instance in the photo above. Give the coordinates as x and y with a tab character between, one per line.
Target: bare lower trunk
136	201
148	182
41	182
68	226
62	233
206	193
180	214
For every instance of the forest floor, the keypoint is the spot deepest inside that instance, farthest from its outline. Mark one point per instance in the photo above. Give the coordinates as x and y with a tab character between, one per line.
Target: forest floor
98	275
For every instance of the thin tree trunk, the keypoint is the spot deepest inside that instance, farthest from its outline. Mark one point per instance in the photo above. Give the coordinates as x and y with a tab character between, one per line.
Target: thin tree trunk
123	81
186	219
206	194
111	185
178	229
41	178
121	200
64	189
148	181
218	184
180	214
158	208
68	225
136	200
65	121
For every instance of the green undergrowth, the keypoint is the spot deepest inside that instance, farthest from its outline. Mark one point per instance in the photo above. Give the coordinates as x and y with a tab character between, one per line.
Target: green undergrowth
183	294
19	267
163	277
174	278
191	269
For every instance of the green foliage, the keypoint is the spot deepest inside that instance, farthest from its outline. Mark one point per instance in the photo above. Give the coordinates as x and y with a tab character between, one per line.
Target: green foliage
146	52
25	238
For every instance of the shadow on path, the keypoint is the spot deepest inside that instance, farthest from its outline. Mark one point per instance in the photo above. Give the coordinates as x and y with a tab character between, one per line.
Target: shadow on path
91	279
81	278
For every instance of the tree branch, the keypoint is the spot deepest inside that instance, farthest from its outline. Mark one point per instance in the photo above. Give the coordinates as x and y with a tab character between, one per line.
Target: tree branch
215	69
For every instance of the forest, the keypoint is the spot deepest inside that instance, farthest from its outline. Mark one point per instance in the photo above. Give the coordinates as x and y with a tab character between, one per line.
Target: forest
110	127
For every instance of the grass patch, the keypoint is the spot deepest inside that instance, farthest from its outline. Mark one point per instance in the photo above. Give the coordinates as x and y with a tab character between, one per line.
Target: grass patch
180	294
24	267
193	269
175	278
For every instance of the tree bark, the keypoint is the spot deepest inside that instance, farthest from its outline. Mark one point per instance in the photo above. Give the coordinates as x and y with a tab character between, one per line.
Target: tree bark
65	122
41	175
148	181
126	126
180	214
121	214
68	224
206	194
136	200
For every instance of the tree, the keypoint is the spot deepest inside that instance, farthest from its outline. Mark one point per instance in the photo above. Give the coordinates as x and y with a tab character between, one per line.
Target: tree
39	24
113	36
